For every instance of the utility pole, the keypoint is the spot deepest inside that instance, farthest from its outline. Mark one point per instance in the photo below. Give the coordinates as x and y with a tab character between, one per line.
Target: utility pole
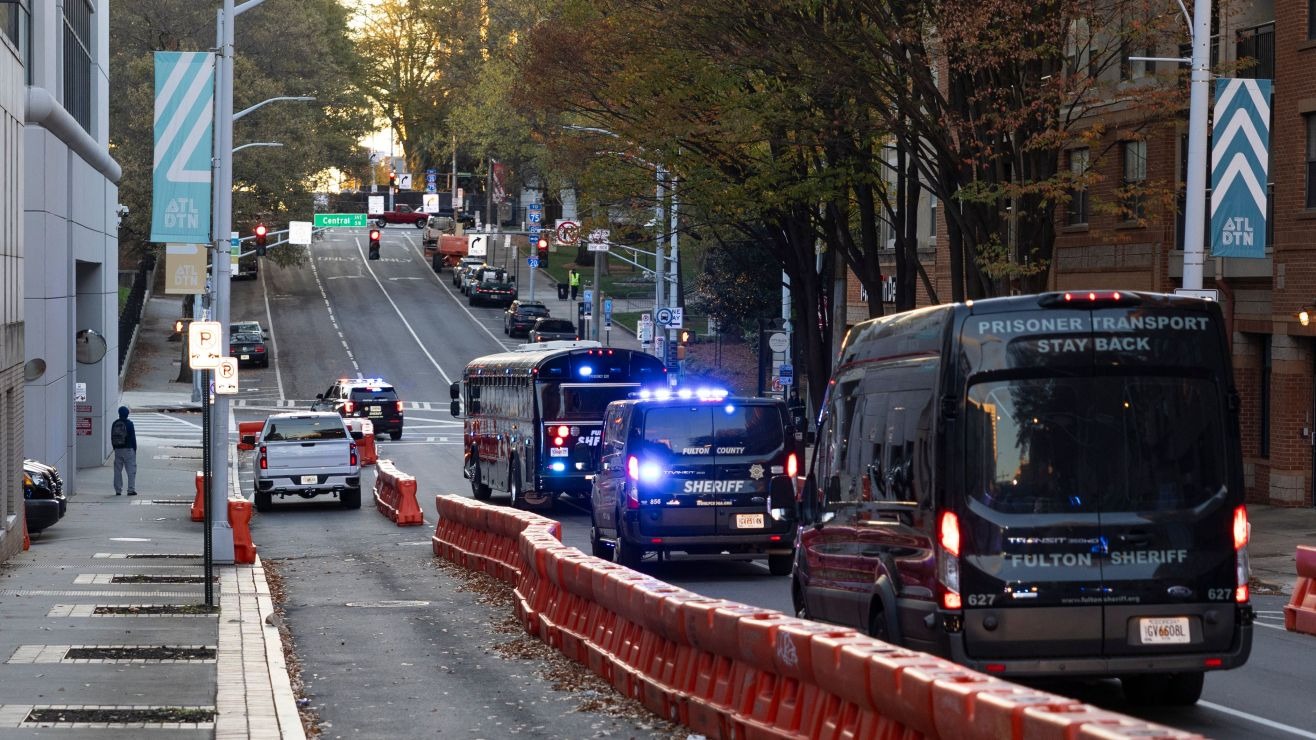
659	219
489	214
456	210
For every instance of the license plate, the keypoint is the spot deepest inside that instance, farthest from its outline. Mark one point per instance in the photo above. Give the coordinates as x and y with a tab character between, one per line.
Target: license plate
1164	630
376	410
310	480
557	452
244	357
749	521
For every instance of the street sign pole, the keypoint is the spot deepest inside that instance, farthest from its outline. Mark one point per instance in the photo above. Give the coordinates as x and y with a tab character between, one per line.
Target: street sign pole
207	462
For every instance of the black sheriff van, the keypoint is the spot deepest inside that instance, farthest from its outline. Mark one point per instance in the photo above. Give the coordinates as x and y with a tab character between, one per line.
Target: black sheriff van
1036	486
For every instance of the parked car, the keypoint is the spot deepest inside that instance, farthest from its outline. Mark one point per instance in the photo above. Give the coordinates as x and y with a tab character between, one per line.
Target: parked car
459	271
307	455
521	316
550	330
250	349
43	496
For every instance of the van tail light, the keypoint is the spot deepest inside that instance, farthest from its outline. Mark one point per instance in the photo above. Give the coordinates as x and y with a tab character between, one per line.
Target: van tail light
792	465
399	407
352	455
1242	563
349	407
264	459
948	562
633	467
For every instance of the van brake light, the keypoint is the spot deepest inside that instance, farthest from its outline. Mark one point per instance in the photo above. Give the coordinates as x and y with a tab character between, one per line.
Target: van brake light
792	465
948	564
1242	530
949	533
633	467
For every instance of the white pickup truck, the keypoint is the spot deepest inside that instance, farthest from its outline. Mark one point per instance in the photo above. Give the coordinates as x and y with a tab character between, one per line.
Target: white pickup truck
307	454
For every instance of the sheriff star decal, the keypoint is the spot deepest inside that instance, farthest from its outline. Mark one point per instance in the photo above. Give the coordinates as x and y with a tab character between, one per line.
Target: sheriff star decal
756	471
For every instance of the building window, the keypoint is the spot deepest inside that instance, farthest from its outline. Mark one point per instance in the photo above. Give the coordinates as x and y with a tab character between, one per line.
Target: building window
78	61
1135	176
1311	160
15	24
1255	52
1311	19
932	217
1078	193
1263	400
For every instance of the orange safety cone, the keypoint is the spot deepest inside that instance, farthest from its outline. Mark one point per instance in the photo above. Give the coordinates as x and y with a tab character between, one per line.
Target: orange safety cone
198	512
239	518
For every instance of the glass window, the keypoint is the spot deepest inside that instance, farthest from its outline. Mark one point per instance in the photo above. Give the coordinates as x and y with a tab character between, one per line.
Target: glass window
1078	194
1064	445
874	446
305	429
78	61
575	401
680	430
374	394
753	429
1135	175
1311	19
14	24
1311	160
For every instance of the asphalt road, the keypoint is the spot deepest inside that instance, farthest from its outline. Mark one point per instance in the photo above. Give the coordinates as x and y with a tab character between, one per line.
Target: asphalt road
392	644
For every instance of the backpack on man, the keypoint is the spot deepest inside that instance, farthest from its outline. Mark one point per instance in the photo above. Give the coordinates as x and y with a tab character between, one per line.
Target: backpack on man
119	434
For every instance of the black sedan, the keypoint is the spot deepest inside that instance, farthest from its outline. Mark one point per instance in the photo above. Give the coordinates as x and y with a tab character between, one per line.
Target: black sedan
250	349
43	496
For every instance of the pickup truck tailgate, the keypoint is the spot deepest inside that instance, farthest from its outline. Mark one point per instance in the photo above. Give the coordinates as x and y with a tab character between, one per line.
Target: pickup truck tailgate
302	455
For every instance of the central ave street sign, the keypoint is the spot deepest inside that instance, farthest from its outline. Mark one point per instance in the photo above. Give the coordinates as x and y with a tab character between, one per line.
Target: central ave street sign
345	220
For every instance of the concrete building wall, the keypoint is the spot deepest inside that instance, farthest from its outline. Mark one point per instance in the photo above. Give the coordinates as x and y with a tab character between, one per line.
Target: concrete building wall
13	90
72	258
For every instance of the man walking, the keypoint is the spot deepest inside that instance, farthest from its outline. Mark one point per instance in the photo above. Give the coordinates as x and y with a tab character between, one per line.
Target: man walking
573	279
123	438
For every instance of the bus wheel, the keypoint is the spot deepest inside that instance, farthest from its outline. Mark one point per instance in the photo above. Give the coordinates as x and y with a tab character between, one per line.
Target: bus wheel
626	554
597	547
479	490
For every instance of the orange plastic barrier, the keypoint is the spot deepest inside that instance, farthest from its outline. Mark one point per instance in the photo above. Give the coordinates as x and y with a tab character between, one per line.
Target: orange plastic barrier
239	518
248	433
728	670
1300	613
366	447
395	495
199	513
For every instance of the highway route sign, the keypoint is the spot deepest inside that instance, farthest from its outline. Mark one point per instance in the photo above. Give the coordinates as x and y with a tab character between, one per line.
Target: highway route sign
533	262
340	220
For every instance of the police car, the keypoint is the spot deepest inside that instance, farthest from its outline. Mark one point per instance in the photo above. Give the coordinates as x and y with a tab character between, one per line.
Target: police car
369	398
692	471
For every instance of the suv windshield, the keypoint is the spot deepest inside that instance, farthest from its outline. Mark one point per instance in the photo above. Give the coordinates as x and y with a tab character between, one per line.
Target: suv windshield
723	429
365	395
1060	445
305	429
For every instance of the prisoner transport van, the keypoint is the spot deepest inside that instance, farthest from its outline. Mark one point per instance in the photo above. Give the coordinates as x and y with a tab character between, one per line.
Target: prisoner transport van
1036	485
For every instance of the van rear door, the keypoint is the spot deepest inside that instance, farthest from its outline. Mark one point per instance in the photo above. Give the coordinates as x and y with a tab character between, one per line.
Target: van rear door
749	447
678	488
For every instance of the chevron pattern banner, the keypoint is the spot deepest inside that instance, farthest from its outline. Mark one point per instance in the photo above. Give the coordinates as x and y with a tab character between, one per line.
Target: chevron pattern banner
184	113
1240	160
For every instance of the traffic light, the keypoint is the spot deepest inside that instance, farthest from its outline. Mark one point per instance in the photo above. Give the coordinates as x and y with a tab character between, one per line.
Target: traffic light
261	238
392	179
542	246
374	244
684	337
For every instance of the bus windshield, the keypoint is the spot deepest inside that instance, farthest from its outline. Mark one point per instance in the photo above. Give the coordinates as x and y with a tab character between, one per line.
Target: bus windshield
1093	444
580	401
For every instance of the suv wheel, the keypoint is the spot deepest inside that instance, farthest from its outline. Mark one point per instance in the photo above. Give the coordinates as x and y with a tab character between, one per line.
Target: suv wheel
395	435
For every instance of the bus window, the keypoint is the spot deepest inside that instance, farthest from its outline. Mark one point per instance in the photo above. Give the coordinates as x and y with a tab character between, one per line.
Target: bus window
579	401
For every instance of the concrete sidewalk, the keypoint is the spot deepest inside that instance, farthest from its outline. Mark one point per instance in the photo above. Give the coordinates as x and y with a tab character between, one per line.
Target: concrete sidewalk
112	576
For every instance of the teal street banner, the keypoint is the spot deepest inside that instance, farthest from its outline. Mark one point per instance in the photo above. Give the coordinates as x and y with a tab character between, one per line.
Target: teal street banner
184	105
1240	159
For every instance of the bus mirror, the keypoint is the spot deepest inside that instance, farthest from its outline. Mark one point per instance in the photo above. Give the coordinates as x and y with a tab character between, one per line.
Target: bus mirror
455	390
455	408
781	498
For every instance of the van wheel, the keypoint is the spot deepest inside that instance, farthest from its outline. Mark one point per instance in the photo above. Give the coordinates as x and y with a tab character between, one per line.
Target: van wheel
626	554
877	626
597	547
263	501
1163	689
479	490
779	565
798	600
1184	689
351	498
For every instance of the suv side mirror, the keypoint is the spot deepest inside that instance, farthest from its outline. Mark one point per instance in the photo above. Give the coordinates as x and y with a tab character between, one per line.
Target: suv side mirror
781	498
455	408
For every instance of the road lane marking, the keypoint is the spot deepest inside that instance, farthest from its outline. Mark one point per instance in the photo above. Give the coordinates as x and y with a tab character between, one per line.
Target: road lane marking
1272	724
405	323
453	296
274	347
329	307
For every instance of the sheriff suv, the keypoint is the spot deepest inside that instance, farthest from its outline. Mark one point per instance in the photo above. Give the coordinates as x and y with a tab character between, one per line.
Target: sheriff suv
367	398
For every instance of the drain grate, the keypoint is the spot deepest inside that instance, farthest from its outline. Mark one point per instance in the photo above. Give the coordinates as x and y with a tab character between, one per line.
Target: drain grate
202	717
158	579
163	555
148	653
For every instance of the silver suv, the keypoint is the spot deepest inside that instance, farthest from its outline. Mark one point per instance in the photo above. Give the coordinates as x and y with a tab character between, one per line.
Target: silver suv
307	454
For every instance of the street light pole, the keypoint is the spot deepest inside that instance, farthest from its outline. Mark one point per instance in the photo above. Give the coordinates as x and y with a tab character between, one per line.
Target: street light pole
1195	188
659	219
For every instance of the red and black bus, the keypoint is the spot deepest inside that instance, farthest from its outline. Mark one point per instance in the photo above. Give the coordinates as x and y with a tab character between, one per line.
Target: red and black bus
534	417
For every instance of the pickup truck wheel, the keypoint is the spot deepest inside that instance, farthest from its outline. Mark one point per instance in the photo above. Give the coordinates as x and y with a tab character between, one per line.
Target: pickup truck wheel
351	498
381	223
263	502
421	223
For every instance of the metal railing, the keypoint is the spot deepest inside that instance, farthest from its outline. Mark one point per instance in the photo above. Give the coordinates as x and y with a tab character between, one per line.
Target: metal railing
1255	52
